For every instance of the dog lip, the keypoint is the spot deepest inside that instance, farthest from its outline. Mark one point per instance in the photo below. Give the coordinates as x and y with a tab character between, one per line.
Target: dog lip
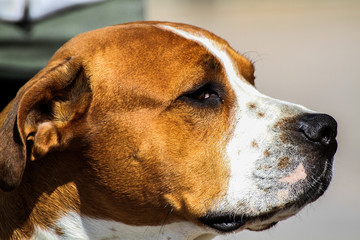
224	223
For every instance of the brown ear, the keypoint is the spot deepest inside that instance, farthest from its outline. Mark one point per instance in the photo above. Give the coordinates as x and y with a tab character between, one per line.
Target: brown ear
31	127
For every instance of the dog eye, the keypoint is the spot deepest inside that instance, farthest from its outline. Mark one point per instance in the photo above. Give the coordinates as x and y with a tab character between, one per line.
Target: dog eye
201	94
204	96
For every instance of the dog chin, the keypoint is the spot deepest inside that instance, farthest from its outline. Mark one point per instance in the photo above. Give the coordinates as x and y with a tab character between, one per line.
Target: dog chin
262	227
261	223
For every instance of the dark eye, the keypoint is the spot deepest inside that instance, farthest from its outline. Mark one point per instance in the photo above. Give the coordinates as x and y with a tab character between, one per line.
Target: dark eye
204	96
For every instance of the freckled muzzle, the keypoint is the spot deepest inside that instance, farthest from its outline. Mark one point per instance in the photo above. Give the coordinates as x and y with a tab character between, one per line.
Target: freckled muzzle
318	144
314	136
303	170
292	173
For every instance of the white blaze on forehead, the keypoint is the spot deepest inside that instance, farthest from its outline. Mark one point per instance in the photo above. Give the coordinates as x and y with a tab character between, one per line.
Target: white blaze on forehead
219	51
239	84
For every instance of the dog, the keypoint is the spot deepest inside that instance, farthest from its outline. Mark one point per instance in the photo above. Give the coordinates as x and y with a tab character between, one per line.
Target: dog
154	130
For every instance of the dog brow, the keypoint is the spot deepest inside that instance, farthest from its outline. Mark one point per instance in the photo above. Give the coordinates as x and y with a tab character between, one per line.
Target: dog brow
232	74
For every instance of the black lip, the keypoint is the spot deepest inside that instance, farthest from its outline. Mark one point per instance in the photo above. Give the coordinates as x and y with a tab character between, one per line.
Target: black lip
224	223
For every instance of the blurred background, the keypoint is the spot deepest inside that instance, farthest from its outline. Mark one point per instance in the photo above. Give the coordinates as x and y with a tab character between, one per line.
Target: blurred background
305	52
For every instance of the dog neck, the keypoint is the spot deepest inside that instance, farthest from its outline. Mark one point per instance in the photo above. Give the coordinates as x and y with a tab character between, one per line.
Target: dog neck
49	192
74	225
57	203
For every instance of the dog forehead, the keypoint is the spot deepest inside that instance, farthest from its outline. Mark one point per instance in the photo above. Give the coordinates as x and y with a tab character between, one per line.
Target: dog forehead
145	58
235	63
148	56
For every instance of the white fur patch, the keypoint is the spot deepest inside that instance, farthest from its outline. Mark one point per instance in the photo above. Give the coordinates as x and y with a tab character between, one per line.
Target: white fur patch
76	227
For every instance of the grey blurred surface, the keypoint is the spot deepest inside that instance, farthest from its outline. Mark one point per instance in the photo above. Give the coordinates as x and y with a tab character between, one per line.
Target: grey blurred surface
305	52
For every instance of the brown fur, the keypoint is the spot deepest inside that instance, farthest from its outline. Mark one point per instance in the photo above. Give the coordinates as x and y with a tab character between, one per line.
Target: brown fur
100	131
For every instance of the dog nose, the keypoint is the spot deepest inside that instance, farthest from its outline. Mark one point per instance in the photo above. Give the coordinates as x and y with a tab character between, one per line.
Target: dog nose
318	128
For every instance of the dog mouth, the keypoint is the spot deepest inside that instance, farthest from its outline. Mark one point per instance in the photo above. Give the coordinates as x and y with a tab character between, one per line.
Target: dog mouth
231	222
224	223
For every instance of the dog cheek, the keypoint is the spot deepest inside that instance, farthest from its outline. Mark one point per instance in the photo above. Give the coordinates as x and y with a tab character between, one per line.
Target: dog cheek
195	176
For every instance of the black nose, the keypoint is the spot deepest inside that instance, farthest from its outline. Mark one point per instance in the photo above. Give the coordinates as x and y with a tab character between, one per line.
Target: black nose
318	128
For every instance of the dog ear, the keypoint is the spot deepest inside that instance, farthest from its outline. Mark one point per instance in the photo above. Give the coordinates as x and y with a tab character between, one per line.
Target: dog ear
36	120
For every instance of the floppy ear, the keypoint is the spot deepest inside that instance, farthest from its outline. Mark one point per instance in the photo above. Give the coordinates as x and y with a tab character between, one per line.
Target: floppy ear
39	116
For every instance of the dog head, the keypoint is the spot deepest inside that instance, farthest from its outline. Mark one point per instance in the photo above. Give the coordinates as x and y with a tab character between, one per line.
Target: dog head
168	123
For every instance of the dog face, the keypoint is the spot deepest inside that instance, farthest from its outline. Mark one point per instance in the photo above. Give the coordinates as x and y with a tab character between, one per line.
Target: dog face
169	127
272	174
